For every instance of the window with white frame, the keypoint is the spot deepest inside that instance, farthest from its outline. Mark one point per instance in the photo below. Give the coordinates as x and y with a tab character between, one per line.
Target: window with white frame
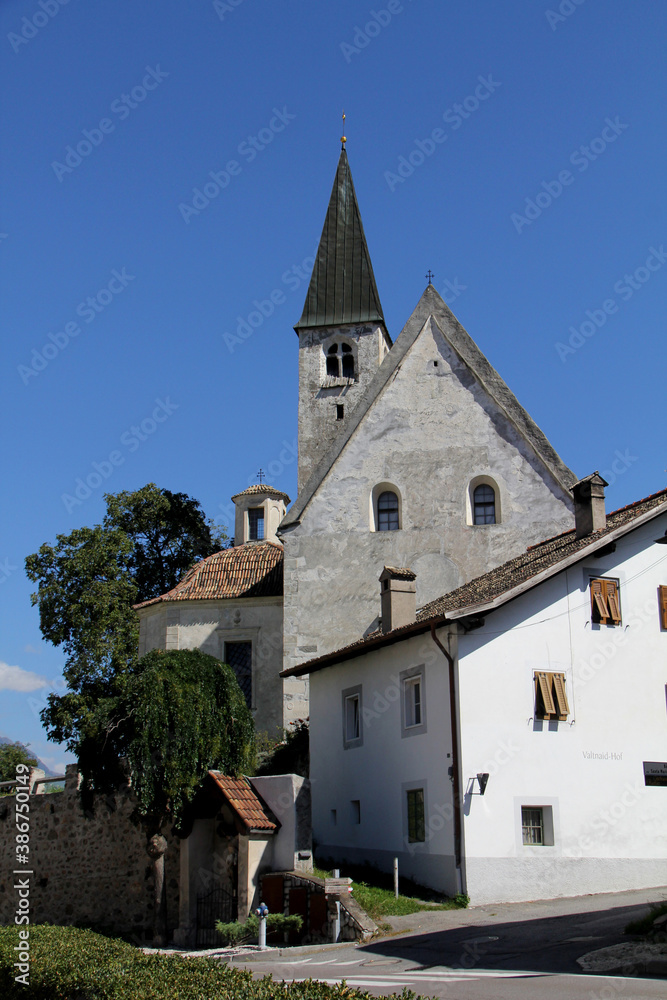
352	731
352	717
413	701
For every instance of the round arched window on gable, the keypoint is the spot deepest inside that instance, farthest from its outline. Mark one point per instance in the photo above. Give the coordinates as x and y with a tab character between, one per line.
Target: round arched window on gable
387	512
484	504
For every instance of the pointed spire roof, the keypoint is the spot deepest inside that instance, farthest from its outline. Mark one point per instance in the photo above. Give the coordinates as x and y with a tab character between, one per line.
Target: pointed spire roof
342	286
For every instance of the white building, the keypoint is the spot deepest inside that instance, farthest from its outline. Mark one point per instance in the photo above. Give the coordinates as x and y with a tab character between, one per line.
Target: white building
509	740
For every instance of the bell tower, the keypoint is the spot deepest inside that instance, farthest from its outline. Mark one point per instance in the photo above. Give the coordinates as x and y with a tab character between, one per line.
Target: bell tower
342	334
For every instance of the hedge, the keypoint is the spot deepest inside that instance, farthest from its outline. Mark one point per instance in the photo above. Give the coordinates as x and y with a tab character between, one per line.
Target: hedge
236	932
67	963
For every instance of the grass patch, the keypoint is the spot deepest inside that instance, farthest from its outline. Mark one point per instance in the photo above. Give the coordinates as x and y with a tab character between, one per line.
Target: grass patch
68	963
374	892
644	925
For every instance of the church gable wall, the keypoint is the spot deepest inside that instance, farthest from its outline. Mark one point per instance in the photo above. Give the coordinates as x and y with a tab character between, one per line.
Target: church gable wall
430	433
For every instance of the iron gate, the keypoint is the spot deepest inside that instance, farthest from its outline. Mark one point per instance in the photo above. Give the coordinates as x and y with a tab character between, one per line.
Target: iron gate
218	904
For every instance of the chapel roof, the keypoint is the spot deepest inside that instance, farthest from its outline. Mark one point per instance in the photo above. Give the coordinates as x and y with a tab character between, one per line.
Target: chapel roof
254	569
253	814
262	488
342	286
492	589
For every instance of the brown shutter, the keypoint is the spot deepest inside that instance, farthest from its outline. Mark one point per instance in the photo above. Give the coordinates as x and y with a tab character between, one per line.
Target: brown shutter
611	588
543	686
561	697
598	605
662	601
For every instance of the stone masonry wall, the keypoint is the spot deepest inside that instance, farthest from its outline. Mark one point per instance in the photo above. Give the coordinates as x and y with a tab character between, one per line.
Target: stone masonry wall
89	870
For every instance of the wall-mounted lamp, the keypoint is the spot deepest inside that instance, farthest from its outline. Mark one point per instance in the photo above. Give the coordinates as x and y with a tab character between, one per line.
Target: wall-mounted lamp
482	781
663	540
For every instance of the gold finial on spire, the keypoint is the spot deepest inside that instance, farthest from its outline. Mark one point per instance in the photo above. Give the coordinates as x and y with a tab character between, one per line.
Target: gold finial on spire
343	138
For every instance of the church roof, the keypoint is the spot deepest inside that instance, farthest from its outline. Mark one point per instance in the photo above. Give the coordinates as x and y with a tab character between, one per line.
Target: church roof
342	286
254	569
245	802
431	308
505	582
264	489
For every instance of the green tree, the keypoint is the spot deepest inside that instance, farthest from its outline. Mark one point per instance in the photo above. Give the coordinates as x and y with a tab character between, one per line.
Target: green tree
12	754
177	715
87	584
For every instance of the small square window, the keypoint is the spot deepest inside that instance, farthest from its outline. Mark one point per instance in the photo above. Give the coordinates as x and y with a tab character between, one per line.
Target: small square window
532	826
605	602
355	808
416	825
340	411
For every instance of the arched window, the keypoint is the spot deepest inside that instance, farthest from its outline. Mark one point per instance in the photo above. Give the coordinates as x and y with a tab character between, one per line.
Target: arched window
348	361
484	505
340	361
387	512
333	367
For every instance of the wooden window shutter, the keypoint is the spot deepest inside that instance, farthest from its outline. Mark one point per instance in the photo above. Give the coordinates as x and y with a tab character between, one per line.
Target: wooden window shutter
561	697
662	599
611	588
545	703
598	604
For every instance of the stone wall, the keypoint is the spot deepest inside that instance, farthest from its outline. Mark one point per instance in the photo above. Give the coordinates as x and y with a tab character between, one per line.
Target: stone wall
90	869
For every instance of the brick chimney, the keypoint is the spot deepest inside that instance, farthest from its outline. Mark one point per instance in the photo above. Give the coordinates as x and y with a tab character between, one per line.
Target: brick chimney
589	513
398	592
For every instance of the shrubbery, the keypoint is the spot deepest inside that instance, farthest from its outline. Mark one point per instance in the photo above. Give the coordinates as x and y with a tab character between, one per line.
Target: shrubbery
67	963
235	933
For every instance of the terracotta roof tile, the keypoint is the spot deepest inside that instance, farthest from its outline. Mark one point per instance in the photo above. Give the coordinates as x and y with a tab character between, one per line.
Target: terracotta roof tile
245	802
263	488
251	570
400	572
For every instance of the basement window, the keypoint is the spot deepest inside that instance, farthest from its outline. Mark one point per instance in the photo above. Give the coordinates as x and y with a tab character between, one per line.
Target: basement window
550	696
532	826
605	604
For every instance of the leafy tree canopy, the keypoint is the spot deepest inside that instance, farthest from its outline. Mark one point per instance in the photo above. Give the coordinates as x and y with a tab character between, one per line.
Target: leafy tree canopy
177	715
12	754
87	584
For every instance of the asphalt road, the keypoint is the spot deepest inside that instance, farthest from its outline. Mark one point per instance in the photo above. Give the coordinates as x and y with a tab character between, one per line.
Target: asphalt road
507	952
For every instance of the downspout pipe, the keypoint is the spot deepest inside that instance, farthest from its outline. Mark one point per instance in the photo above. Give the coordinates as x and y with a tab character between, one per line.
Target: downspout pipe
455	749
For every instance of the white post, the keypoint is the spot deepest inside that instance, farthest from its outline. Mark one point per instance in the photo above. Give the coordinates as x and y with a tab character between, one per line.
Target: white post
396	877
262	913
336	927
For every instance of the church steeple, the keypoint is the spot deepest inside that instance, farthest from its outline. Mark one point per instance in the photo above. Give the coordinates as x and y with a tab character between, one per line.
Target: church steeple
342	288
342	335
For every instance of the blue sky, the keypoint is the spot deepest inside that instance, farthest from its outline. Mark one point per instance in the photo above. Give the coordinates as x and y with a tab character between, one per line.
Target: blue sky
537	202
